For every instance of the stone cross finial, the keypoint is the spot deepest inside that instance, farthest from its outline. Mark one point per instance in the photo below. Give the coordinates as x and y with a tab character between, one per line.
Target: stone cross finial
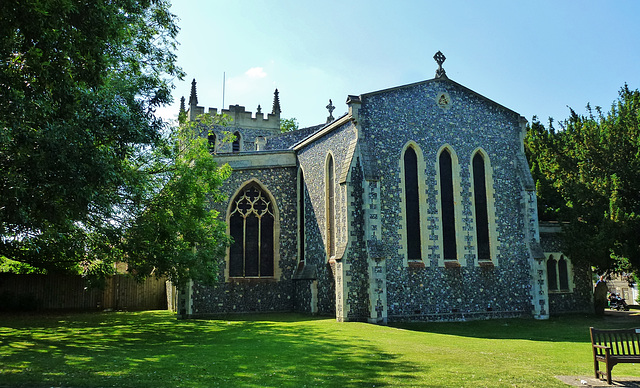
440	58
330	108
259	110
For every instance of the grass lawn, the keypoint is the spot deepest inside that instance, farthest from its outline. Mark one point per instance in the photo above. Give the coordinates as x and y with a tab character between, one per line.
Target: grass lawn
153	349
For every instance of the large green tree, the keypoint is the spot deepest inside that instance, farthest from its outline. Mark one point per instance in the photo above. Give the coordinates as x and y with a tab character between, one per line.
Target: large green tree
178	234
588	176
84	158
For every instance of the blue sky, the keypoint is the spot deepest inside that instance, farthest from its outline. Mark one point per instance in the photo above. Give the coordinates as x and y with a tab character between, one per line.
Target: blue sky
534	57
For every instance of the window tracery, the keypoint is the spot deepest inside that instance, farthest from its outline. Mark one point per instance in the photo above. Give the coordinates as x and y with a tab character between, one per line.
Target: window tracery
251	224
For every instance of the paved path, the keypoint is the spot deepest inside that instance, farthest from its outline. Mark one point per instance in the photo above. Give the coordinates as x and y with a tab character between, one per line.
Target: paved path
590	381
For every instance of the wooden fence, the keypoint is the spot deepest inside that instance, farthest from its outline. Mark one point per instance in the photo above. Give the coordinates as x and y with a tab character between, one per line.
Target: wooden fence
71	292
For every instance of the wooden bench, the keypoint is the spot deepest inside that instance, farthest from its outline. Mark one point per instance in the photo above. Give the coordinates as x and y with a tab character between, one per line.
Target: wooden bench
614	346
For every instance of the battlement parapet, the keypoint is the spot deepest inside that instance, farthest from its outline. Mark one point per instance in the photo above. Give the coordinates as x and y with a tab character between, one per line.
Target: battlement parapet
241	118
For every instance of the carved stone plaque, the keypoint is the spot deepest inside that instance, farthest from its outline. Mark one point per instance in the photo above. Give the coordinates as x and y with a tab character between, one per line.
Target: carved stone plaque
443	100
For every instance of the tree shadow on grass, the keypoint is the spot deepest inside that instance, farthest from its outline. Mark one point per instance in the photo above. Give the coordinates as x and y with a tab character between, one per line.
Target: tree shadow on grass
156	350
562	328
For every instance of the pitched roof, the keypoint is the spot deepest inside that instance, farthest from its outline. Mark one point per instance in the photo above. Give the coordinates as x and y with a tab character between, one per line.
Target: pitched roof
322	131
287	140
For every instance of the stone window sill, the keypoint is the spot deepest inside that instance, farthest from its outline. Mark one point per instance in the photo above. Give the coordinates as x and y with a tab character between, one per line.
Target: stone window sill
416	264
486	264
252	280
452	264
560	291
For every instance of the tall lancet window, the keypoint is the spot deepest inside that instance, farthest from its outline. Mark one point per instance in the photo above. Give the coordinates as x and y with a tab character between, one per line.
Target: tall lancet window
552	273
251	224
211	138
235	146
301	217
412	204
558	273
448	207
563	273
331	208
481	207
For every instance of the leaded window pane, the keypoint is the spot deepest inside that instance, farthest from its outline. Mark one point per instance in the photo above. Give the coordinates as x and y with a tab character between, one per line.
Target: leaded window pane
236	251
266	247
252	238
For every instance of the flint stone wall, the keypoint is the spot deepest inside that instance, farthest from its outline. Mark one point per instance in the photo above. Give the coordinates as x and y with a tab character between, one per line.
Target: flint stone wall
392	118
257	295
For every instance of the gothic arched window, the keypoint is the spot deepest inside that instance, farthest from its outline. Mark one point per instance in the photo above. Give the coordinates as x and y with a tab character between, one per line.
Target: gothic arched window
235	146
301	217
552	274
251	224
331	208
211	138
481	207
412	204
448	207
563	273
558	273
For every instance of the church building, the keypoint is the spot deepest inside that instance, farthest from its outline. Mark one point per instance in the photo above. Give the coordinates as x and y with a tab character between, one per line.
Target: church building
415	205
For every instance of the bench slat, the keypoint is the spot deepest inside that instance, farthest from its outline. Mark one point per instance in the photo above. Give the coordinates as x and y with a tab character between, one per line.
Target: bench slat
621	341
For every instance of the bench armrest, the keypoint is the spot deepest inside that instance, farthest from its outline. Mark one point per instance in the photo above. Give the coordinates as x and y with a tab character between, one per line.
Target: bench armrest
601	347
